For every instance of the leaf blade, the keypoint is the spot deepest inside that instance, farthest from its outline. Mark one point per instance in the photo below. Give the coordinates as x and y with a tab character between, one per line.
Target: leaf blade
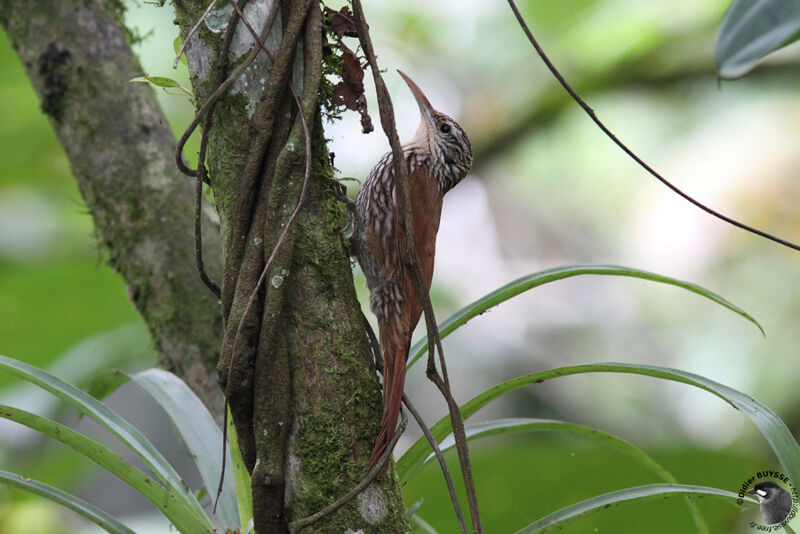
769	424
241	479
559	519
407	468
199	432
751	30
107	418
526	283
77	505
176	46
517	425
177	510
159	81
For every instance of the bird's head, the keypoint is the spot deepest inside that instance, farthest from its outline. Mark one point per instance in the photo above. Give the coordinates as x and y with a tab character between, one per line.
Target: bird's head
444	138
764	491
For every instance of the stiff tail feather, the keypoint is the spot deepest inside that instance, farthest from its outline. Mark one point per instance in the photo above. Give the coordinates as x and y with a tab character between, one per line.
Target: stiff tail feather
394	375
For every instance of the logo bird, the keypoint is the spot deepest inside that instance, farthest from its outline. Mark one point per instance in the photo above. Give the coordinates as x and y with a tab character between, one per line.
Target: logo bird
774	501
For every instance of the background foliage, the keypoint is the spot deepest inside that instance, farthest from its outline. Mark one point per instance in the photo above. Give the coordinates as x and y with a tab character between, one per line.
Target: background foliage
547	189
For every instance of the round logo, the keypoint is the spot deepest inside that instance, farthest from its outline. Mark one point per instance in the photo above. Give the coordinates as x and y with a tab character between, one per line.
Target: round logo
777	499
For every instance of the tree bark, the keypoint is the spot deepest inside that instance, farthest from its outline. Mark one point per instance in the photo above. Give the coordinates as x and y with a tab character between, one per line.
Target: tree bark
302	387
121	152
298	372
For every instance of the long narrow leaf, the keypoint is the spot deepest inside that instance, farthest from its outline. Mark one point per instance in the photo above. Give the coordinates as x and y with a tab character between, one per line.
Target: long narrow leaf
105	382
750	30
241	478
408	467
770	425
520	285
199	432
558	520
79	506
179	512
77	365
423	526
108	419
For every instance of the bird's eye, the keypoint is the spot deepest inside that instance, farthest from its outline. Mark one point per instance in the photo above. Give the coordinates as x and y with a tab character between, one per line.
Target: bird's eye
444	128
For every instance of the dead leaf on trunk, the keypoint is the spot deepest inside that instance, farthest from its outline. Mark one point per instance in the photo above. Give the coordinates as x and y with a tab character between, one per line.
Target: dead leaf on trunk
342	23
349	92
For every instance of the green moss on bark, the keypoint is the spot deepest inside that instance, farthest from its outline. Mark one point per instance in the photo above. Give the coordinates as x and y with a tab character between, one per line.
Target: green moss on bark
338	398
78	57
309	315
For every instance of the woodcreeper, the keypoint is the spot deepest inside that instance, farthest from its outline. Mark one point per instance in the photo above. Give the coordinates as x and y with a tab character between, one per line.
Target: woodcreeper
439	157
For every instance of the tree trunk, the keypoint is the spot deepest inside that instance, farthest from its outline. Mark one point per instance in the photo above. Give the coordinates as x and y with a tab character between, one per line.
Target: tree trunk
297	368
120	149
298	372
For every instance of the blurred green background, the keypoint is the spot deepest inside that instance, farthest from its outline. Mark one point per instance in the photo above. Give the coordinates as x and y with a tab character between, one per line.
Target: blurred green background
546	189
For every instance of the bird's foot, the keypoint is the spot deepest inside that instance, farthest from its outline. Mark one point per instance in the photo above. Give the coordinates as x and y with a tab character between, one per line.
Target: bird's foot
351	228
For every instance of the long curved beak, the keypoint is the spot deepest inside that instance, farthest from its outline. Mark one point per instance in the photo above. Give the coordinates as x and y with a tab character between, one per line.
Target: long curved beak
425	107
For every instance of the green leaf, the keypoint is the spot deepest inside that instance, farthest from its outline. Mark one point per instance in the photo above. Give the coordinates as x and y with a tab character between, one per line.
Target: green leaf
520	285
408	465
159	81
168	85
770	425
106	382
108	419
199	432
241	478
82	363
558	520
115	347
79	506
177	510
750	30
422	525
414	507
176	46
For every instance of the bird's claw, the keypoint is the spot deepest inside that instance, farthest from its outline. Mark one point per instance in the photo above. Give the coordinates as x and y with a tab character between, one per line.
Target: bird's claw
339	192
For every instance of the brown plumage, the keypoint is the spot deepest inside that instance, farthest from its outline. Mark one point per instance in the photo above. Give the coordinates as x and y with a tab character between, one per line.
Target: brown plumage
439	156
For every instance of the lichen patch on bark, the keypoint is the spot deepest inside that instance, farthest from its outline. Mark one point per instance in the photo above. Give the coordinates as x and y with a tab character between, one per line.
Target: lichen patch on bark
253	80
372	504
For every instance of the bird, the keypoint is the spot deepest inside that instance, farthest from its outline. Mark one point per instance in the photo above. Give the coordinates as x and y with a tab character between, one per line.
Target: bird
774	501
439	157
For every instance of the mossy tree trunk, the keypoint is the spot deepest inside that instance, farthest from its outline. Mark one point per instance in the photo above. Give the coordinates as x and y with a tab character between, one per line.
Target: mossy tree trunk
120	149
303	393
